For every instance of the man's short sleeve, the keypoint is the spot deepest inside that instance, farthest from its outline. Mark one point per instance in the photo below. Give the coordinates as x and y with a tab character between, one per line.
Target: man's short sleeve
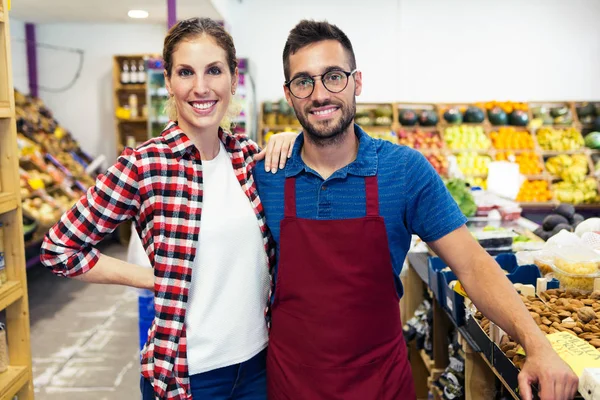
431	212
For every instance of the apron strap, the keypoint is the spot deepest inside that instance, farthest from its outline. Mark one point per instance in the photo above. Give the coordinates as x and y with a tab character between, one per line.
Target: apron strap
289	194
372	194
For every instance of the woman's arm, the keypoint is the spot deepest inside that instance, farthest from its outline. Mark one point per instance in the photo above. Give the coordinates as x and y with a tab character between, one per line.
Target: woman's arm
278	150
68	248
114	271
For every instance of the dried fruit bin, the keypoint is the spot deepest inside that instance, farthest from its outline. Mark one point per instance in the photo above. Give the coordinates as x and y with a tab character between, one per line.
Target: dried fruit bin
575	267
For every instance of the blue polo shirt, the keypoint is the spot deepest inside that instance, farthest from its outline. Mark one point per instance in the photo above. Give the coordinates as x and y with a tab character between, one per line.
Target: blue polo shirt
412	196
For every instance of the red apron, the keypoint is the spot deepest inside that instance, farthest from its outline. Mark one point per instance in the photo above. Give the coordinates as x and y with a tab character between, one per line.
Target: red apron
336	330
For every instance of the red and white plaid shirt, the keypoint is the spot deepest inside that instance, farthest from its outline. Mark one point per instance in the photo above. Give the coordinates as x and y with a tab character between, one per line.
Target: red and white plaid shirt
159	186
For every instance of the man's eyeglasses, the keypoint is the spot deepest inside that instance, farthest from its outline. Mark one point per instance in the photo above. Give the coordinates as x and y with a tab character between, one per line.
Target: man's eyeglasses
303	86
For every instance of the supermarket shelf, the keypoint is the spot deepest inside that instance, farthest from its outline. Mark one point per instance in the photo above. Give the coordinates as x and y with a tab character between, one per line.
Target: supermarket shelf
429	364
8	202
1	16
499	376
10	292
132	87
13	380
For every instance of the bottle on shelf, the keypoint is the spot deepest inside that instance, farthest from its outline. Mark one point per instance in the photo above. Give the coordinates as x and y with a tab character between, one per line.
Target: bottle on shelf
134	74
125	74
133	105
141	72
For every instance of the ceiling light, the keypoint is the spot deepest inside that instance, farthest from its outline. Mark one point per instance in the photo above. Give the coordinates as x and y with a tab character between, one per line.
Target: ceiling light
137	14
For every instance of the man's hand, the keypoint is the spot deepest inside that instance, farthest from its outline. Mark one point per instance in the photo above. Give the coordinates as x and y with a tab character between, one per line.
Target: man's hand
555	378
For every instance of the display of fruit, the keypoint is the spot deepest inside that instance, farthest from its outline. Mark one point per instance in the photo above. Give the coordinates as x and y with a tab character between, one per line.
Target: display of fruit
460	192
566	139
508	138
477	182
571	169
369	116
529	162
474	115
428	118
471	163
586	110
592	140
518	118
386	135
43	211
497	116
534	191
465	137
506	106
418	139
559	114
453	116
576	193
408	117
439	163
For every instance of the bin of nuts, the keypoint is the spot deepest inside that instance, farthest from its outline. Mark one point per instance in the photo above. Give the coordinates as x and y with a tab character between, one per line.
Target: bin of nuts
557	310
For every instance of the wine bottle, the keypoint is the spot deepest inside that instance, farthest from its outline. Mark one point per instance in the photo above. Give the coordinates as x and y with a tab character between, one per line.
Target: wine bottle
125	74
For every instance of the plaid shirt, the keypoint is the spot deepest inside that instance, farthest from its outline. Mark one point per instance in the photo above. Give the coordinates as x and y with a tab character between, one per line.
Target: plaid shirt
159	186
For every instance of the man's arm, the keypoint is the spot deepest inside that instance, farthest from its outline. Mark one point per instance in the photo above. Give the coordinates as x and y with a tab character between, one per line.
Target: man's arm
493	294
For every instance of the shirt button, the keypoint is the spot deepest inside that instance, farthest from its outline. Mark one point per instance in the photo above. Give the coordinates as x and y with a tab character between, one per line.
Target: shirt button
323	187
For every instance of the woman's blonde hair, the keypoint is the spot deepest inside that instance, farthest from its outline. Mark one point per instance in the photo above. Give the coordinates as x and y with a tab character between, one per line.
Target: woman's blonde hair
195	27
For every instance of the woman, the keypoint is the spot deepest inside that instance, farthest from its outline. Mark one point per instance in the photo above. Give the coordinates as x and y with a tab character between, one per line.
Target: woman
194	204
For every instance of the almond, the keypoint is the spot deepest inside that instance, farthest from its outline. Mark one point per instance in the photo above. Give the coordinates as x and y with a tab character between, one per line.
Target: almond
588	302
564	314
544	328
595	342
546	321
577	330
569	325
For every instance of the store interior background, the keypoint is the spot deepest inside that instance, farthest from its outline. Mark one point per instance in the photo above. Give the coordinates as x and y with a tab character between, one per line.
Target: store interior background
408	50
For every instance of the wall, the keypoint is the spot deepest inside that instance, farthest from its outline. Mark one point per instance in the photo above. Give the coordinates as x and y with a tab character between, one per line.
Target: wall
439	50
19	55
86	109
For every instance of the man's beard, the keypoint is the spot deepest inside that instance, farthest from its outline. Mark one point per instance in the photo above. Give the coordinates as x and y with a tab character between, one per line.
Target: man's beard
327	134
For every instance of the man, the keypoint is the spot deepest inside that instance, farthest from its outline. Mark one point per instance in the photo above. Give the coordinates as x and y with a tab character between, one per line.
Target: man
342	213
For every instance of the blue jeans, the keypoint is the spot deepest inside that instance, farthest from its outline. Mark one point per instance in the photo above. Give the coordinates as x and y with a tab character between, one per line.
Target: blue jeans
245	381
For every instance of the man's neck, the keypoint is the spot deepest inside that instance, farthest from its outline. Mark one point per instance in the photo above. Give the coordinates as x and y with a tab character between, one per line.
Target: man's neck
329	158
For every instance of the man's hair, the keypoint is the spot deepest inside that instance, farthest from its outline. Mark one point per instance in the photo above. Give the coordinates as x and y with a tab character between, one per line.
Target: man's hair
309	32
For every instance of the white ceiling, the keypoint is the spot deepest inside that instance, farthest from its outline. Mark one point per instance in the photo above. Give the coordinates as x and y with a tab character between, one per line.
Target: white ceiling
106	11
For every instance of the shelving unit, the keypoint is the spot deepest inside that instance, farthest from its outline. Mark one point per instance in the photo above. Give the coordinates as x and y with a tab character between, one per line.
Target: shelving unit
136	127
18	379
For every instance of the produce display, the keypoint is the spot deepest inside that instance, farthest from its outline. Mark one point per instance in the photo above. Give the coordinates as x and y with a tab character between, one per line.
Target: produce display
52	165
461	193
576	192
466	137
508	138
279	113
534	191
439	162
562	217
529	162
592	140
589	114
414	117
558	139
454	115
471	163
555	310
571	169
377	116
420	140
553	114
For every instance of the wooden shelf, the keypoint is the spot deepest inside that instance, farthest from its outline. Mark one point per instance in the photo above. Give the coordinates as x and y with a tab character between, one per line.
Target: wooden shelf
10	292
136	87
5	111
429	364
8	202
133	120
281	128
12	381
1	16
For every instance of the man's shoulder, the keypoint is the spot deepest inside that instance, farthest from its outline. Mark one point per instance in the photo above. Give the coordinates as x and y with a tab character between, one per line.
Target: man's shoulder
268	178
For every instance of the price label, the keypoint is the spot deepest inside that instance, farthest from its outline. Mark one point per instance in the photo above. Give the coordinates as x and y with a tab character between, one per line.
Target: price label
576	352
